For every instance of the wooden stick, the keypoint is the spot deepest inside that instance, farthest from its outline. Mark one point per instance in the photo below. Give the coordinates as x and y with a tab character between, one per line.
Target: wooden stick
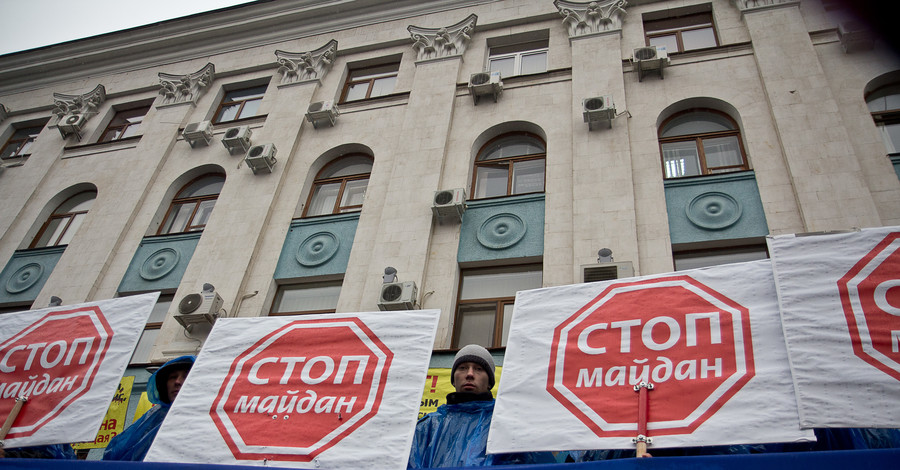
20	401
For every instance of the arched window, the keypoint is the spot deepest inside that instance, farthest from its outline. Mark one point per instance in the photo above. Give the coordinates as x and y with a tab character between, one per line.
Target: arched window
62	224
884	104
510	164
701	142
340	186
192	206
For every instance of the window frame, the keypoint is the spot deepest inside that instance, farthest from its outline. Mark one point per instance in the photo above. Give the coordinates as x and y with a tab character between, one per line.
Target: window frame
676	29
279	294
240	102
499	302
518	51
356	76
196	200
343	180
698	139
510	165
150	325
744	252
119	129
67	217
885	117
22	141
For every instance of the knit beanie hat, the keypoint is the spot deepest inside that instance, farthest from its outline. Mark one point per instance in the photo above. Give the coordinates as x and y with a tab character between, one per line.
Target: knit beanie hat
478	355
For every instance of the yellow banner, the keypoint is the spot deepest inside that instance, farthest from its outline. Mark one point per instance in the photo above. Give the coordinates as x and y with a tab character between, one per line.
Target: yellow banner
437	386
114	422
143	406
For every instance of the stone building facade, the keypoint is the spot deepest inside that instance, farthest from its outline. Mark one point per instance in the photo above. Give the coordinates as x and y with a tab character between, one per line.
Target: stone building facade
617	138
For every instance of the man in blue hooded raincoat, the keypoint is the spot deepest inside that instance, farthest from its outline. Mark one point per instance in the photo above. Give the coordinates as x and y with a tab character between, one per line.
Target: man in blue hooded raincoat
456	434
162	388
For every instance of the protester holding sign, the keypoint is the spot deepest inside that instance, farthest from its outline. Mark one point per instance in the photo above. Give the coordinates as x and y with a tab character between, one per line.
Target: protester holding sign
162	388
456	434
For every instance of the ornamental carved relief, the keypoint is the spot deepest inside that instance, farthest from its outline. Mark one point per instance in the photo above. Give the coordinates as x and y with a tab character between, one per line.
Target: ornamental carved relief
585	18
85	105
747	5
301	66
186	88
436	43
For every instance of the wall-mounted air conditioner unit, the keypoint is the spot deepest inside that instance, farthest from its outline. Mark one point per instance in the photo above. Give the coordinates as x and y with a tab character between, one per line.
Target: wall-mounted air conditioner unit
598	109
650	58
261	158
198	308
198	133
606	271
449	204
237	139
71	124
398	296
322	112
855	36
485	83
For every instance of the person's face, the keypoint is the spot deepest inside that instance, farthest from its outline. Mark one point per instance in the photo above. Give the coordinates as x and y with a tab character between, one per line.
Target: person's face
470	377
174	383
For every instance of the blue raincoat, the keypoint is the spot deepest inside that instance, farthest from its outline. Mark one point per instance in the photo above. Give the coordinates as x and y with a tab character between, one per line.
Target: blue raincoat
456	436
135	441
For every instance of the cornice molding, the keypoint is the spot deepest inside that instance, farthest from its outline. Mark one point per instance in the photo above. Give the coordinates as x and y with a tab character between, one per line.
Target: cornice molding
186	88
85	104
590	18
438	43
303	66
203	35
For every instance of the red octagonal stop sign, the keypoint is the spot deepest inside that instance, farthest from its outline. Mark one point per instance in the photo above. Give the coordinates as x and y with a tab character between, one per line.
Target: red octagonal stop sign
52	362
870	294
690	341
301	389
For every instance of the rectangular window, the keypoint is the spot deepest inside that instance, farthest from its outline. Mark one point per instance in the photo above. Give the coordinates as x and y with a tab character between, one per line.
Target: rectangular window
311	297
126	123
18	147
144	348
240	104
486	299
715	256
682	33
370	82
519	59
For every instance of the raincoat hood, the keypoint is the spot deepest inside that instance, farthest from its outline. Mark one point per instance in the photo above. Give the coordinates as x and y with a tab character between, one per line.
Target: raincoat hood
156	385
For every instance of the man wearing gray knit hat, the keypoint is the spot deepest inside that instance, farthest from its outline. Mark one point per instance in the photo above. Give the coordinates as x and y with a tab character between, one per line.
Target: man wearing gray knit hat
456	434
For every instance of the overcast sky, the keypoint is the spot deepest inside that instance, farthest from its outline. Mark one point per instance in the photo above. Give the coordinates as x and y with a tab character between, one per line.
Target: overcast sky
28	24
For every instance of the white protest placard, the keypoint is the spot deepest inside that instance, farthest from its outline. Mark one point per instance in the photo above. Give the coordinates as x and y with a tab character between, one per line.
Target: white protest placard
326	391
840	306
709	340
68	361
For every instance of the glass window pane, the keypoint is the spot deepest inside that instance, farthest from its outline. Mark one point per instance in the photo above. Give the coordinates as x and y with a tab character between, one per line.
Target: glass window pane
77	203
206	186
715	257
681	159
722	151
491	181
179	217
698	38
130	131
354	193
383	86
141	354
228	113
51	233
74	222
477	324
506	66
250	108
491	285
323	199
302	298
160	309
507	321
357	91
245	93
891	135
203	213
669	41
512	146
696	123
534	63
528	176
348	166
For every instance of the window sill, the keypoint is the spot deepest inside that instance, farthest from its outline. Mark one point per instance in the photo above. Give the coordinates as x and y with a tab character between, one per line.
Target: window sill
239	122
383	101
101	147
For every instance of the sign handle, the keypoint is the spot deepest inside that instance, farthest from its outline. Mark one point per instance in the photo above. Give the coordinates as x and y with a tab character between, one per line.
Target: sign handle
13	414
642	440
